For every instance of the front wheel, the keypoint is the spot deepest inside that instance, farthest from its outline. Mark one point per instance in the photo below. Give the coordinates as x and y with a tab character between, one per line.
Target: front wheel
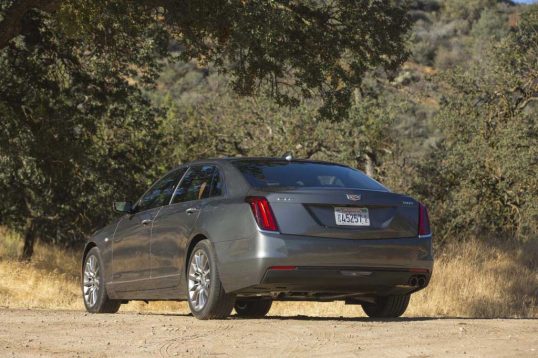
252	308
207	298
387	307
94	293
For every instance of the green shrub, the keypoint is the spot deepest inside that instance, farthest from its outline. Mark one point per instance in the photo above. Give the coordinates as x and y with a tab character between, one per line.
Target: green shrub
482	179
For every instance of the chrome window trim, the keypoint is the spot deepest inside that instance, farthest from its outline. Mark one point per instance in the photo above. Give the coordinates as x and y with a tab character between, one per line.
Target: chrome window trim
178	184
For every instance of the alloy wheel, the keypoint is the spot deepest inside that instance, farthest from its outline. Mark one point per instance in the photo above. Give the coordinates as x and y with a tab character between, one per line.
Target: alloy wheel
91	280
199	280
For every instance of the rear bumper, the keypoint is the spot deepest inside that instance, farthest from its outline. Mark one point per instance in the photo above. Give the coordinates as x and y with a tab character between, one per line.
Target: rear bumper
370	266
365	281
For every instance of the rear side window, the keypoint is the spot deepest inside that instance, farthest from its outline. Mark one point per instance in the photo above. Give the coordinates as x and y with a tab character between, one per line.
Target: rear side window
199	183
274	173
216	184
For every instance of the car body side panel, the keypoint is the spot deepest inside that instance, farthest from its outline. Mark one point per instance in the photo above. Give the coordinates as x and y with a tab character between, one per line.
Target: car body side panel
102	239
169	237
130	244
228	222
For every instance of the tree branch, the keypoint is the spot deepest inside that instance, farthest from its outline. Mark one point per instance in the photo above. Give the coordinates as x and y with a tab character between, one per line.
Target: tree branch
11	25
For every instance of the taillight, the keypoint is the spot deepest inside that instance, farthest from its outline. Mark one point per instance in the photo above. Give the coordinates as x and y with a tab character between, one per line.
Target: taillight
423	220
262	213
283	268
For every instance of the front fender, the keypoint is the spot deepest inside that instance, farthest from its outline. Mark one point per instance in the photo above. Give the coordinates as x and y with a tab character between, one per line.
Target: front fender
102	239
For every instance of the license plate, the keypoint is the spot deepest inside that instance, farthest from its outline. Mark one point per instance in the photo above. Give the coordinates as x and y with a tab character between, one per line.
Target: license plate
352	216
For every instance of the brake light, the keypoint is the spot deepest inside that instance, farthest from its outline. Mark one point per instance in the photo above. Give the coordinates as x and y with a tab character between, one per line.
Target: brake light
262	213
423	220
283	268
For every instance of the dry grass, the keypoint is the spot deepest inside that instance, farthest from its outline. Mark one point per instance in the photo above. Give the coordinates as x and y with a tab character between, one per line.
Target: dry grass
475	279
49	281
470	280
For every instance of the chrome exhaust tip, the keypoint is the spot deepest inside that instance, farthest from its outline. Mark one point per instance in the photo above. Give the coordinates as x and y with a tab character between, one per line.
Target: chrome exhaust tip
421	281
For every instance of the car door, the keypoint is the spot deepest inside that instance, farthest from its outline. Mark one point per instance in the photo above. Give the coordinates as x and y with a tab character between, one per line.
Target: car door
174	224
131	243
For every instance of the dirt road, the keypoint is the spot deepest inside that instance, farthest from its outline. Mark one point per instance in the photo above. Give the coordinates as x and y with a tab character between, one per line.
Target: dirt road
26	333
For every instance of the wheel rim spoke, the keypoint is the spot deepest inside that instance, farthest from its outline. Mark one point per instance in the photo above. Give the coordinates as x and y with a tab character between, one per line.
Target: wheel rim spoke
202	297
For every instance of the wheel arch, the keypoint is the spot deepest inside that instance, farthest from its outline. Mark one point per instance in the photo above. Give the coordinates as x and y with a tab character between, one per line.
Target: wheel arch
195	240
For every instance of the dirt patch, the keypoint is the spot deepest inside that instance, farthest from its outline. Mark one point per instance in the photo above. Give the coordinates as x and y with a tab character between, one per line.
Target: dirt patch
25	333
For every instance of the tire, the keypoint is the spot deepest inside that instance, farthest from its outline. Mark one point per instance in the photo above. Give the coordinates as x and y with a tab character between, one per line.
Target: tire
252	308
206	296
387	307
94	293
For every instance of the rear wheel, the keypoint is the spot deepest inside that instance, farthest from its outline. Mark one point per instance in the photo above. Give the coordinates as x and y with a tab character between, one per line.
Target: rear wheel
252	308
94	292
207	298
387	307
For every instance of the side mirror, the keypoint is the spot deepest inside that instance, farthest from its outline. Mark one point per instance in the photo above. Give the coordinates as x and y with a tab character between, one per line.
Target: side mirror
123	207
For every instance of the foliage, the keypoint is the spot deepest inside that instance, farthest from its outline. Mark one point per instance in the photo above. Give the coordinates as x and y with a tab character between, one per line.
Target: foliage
294	49
205	120
448	38
74	134
291	49
482	179
492	23
466	9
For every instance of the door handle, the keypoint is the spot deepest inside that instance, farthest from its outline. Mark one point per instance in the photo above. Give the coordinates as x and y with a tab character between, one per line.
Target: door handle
146	221
191	210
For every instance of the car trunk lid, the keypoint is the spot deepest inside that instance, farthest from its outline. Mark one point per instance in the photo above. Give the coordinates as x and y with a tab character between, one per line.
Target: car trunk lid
343	213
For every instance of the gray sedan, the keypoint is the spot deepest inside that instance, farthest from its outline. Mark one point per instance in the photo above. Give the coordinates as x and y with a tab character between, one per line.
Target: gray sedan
243	232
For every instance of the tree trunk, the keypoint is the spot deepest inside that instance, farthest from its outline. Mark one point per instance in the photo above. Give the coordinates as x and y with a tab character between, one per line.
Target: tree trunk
370	164
30	237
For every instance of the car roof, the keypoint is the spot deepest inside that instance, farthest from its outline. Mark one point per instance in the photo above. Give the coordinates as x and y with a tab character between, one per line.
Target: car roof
276	159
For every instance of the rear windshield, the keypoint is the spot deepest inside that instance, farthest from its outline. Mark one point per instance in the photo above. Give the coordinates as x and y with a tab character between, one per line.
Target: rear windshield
271	173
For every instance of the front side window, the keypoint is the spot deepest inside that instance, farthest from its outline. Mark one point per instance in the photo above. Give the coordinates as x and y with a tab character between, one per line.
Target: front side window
161	192
198	184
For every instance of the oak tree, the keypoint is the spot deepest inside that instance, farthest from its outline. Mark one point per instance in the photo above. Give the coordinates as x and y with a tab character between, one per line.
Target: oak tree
76	126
